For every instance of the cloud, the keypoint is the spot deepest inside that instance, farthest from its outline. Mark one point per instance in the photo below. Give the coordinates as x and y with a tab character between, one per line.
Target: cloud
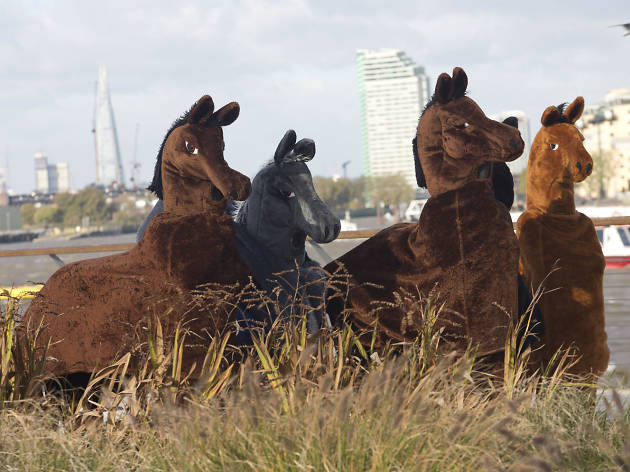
290	64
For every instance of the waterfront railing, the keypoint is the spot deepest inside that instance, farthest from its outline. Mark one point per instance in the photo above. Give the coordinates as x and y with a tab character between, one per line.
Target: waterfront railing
54	252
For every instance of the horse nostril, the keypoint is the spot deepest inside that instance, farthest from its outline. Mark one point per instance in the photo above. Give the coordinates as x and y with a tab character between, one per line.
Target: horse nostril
233	195
326	232
589	168
579	166
513	144
337	228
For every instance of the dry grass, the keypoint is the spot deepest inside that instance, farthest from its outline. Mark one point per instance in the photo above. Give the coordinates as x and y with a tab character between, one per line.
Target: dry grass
294	402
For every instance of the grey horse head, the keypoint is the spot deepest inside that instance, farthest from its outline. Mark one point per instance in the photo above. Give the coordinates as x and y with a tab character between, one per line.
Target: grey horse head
284	208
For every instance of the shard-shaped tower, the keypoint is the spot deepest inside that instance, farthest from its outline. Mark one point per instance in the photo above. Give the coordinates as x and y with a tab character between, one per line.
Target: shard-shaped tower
108	162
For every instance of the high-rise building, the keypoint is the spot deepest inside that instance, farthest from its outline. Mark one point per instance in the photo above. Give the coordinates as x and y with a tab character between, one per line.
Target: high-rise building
606	130
393	90
50	178
518	166
42	181
108	162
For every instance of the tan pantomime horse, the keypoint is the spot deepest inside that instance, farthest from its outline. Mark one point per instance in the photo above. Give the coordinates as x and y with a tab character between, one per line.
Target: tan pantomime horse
97	309
463	244
551	231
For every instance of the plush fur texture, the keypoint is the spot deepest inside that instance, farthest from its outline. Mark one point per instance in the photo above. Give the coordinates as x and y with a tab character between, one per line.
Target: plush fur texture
96	309
551	231
463	246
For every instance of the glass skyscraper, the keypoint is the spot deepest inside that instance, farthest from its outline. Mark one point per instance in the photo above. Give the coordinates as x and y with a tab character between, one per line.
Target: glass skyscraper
108	162
392	93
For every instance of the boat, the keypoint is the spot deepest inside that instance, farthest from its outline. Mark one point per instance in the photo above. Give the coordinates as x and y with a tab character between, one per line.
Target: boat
615	241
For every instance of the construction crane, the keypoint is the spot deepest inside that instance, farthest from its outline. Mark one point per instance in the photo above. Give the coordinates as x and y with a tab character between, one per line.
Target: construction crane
135	165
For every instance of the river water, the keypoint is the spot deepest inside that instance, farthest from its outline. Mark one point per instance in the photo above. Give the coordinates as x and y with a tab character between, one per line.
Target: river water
24	270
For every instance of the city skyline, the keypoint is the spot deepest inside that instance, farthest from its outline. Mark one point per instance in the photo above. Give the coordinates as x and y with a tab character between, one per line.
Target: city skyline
606	129
161	57
50	178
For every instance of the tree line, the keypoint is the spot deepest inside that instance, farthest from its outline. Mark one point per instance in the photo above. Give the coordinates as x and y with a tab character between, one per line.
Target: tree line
341	194
70	210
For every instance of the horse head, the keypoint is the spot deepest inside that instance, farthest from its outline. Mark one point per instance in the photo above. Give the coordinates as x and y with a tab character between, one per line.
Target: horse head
284	207
557	159
455	141
191	174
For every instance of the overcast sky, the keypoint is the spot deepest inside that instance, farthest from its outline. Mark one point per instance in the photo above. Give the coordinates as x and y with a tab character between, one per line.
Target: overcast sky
290	64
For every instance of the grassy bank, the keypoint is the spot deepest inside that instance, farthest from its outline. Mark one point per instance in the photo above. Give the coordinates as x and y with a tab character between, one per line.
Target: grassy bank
298	403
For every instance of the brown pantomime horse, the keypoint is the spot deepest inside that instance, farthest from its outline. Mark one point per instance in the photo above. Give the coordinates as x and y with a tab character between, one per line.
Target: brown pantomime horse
97	309
551	231
463	244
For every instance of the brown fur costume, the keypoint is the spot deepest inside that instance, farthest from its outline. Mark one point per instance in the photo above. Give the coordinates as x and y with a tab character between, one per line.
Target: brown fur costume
551	231
97	309
463	244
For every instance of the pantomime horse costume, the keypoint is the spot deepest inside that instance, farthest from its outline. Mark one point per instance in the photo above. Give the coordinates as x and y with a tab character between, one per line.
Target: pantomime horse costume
463	245
97	309
552	233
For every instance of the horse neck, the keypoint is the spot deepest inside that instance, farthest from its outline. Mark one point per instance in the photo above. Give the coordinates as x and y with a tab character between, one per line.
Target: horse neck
546	195
277	239
186	195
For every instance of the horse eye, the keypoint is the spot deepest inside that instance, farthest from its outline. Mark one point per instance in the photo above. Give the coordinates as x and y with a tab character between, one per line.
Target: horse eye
553	147
191	149
462	126
287	193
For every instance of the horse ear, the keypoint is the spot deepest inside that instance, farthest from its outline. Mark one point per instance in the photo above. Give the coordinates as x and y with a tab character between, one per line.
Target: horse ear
421	180
304	150
459	83
511	121
284	146
443	88
551	116
225	115
574	111
201	111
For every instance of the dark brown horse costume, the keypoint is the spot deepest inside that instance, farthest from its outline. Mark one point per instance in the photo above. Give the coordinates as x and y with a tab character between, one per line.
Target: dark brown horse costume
97	309
551	231
463	245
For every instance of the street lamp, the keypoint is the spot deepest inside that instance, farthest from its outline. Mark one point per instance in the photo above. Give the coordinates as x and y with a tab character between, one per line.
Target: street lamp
345	170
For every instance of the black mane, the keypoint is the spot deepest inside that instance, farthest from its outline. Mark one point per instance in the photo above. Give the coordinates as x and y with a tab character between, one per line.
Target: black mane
156	183
420	177
561	108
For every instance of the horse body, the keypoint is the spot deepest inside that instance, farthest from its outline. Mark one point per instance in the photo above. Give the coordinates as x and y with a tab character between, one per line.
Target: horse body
552	233
96	309
463	246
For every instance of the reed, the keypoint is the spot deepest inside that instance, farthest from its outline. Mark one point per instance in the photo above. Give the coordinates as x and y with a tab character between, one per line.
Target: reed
299	402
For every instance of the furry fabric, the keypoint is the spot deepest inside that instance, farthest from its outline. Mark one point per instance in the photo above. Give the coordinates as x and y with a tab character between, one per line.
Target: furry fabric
98	309
463	246
444	251
552	232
